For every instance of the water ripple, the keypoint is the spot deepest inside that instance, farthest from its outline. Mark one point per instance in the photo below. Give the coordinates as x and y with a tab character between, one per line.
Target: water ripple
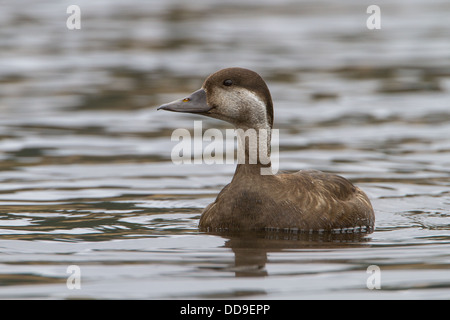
86	176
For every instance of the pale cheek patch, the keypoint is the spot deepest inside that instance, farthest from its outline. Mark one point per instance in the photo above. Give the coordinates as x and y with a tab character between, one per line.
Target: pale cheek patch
241	107
255	108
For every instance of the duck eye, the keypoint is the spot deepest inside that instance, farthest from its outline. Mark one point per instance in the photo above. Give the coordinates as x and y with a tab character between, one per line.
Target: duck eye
227	82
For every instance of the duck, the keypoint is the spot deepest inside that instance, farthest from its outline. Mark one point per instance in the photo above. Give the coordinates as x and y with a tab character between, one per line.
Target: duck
305	201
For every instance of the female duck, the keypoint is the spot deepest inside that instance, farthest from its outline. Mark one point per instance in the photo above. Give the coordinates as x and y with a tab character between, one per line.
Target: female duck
306	201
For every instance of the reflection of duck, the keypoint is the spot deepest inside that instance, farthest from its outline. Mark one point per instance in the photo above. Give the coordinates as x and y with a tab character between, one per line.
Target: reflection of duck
251	248
305	201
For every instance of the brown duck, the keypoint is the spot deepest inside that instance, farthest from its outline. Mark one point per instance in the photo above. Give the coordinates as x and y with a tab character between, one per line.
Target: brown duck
304	201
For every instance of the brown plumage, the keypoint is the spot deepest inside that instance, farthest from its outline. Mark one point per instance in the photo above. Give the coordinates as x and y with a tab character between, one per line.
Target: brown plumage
305	201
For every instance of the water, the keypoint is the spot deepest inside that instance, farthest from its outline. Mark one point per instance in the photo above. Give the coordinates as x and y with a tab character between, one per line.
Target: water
85	169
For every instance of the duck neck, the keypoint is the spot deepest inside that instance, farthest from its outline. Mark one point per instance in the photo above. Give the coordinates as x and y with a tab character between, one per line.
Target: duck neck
254	148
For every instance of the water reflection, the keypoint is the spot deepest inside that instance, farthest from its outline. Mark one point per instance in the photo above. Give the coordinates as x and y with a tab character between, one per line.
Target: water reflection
251	248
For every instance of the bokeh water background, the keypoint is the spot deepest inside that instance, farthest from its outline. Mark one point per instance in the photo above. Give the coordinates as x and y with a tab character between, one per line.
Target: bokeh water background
86	176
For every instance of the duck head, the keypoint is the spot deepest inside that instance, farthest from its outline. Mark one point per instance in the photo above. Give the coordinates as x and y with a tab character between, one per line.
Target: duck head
235	95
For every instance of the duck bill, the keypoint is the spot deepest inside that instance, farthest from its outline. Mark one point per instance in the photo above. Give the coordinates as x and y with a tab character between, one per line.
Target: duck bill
194	103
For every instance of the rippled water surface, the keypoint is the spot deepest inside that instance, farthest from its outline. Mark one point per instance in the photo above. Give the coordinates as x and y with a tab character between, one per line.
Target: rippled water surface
87	178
